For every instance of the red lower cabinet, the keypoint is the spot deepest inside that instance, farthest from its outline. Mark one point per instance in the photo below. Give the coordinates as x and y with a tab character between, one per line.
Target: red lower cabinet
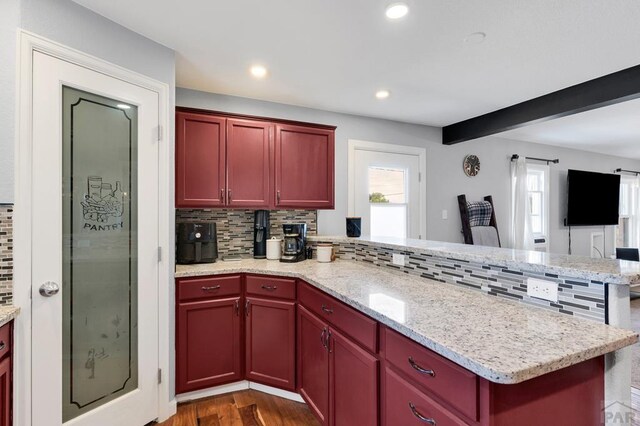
5	392
5	374
208	344
270	335
337	378
403	404
313	363
353	383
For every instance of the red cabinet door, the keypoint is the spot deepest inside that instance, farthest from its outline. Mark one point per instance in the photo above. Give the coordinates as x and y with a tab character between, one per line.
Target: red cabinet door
304	167
200	160
270	342
208	344
5	392
249	180
313	364
353	383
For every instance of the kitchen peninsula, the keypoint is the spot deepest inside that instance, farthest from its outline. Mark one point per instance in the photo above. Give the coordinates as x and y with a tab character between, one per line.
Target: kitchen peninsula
498	359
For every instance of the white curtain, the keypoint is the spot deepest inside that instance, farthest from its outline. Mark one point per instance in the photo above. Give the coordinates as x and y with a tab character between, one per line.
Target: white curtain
521	231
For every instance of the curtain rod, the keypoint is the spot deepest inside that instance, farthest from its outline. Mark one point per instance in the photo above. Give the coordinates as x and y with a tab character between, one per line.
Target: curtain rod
554	161
626	171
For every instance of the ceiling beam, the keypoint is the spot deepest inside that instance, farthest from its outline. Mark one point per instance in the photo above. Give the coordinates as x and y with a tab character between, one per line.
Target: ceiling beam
600	92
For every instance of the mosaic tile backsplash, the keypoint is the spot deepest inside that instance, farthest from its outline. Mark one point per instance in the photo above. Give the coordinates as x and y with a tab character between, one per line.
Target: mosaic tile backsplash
235	227
6	254
578	297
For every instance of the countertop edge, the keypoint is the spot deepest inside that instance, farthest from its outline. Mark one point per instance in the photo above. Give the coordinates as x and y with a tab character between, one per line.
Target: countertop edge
8	313
500	377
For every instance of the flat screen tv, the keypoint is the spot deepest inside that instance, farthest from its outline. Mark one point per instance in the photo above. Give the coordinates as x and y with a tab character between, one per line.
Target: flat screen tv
593	198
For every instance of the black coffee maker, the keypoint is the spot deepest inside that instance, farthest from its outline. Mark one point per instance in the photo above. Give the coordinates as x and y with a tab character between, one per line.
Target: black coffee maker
260	233
197	243
295	240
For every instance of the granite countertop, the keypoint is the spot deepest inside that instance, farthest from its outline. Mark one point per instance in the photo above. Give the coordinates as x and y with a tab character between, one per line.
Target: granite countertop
500	340
7	313
612	271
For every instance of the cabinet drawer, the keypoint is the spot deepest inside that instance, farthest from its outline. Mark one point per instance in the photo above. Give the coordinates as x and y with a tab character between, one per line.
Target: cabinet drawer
403	404
358	326
455	385
208	287
271	287
5	340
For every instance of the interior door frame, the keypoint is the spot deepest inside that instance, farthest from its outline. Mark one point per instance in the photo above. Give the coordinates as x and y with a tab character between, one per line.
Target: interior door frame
28	43
359	145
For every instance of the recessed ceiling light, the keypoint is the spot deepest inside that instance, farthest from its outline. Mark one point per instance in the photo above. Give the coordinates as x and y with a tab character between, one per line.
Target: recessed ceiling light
258	71
475	38
123	106
382	94
396	10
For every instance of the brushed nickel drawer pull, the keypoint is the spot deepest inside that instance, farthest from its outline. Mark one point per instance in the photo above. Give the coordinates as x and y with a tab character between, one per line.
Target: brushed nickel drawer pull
420	417
247	304
326	309
2	345
212	288
419	369
270	287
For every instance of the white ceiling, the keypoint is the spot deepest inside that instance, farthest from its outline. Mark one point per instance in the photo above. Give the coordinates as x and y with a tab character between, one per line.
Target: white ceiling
335	54
613	130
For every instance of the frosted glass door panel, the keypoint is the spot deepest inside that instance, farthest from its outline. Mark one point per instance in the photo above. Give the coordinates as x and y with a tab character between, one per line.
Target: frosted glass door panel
389	220
99	251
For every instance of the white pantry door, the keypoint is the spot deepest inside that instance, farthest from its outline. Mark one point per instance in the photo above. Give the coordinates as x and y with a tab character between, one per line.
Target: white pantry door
94	248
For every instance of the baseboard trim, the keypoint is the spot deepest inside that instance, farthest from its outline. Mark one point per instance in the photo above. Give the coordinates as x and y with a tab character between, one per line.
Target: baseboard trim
238	386
218	390
276	392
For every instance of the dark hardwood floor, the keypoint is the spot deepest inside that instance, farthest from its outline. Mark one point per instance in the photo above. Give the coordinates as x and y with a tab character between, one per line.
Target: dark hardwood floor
244	408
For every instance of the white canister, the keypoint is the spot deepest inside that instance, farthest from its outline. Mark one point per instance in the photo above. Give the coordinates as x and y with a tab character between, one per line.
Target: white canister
324	253
274	248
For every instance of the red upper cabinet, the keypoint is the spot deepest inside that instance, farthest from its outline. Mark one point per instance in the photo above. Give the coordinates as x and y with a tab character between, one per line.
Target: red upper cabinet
200	160
304	167
231	161
249	182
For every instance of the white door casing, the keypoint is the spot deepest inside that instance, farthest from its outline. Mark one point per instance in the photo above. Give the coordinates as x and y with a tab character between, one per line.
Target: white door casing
37	392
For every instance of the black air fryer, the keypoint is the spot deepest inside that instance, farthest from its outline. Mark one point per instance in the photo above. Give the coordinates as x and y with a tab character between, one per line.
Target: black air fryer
260	233
197	243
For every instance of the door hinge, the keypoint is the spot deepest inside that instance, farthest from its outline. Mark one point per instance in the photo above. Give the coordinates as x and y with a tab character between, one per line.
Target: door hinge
30	292
419	177
159	254
159	375
160	133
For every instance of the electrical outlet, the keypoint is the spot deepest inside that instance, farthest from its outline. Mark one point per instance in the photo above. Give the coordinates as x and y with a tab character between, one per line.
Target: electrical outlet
542	289
398	259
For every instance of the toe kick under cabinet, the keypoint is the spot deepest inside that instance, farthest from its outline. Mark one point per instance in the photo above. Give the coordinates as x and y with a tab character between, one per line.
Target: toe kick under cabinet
350	369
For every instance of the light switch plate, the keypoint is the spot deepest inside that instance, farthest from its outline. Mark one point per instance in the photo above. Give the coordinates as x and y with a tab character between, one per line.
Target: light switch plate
445	215
398	259
542	289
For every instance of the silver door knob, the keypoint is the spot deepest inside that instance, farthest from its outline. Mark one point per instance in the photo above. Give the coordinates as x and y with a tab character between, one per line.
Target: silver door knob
49	288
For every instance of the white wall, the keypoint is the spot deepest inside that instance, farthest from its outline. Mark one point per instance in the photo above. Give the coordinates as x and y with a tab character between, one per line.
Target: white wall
75	26
445	178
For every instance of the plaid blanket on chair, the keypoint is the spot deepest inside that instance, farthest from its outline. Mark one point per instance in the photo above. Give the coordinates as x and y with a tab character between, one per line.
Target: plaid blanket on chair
479	213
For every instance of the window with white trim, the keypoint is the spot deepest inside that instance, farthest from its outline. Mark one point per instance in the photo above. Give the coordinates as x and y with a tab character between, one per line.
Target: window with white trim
629	221
538	193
